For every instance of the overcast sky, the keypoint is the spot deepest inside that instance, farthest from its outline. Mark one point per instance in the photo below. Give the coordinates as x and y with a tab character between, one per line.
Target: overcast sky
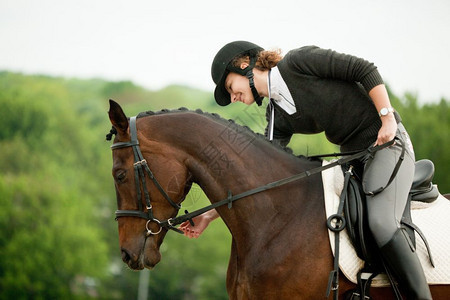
157	43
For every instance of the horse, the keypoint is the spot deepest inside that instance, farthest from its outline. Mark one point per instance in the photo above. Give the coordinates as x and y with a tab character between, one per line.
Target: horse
280	247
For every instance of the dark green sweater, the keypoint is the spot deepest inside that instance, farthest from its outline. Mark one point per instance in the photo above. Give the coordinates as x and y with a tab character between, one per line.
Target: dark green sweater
330	91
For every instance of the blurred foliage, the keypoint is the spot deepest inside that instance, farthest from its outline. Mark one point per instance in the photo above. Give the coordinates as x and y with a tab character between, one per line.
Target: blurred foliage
58	237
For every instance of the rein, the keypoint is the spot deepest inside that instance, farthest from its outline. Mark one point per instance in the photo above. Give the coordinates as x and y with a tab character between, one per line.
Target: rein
230	199
140	165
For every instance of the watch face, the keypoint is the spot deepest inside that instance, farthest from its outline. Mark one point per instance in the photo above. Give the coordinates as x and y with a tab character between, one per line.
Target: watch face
384	111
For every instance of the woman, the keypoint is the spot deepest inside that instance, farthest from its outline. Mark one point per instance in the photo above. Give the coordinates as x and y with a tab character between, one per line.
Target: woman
314	90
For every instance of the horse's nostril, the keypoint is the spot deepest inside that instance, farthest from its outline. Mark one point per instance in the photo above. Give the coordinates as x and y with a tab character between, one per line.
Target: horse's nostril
125	255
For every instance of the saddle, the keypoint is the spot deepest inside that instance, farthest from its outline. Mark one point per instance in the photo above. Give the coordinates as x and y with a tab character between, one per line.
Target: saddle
355	211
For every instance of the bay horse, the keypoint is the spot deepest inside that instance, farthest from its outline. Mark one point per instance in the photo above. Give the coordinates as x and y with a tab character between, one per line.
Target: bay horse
280	247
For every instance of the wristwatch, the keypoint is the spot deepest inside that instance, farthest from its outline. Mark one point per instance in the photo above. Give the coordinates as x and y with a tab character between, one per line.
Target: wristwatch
385	111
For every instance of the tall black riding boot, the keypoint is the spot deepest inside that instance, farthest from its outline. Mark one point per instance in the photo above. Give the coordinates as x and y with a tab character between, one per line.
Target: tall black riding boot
403	262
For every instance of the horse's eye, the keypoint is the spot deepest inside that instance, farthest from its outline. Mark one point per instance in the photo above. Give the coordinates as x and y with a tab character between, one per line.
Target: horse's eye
121	176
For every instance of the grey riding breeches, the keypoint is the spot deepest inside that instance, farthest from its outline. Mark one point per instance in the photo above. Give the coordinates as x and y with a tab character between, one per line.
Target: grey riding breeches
385	209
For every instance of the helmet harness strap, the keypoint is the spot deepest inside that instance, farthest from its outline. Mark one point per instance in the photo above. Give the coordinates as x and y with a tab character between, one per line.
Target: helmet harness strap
251	81
256	96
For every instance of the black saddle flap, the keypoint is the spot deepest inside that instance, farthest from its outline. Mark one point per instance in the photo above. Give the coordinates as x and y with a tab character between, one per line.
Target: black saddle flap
355	212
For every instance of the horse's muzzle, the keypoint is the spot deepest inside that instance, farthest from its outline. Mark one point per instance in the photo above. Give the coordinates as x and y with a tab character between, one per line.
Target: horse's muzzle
132	260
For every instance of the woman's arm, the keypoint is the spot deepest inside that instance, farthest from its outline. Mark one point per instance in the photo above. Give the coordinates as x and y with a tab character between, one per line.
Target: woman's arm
388	128
327	63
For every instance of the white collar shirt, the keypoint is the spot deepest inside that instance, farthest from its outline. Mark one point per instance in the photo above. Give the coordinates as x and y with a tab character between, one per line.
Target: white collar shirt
279	92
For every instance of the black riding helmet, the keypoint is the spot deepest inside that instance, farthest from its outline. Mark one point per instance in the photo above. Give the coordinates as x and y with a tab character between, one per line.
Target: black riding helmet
221	66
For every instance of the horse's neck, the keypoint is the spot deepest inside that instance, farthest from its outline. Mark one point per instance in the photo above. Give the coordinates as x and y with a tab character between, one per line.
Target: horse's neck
218	172
227	157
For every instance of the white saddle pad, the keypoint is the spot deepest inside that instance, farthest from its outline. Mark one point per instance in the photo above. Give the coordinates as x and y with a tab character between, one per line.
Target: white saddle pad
432	219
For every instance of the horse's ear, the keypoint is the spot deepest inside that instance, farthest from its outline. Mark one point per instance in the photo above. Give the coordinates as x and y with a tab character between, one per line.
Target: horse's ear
117	117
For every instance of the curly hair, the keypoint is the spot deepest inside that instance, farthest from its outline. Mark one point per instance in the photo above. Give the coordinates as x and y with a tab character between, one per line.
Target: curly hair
267	59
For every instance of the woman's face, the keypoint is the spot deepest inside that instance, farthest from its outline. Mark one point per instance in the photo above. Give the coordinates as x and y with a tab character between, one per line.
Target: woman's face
239	88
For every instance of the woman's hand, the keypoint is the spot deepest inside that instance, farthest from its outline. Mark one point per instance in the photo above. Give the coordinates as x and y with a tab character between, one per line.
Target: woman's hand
201	222
387	130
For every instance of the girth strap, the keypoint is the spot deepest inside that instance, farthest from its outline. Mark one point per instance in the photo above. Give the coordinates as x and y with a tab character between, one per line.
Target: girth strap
337	227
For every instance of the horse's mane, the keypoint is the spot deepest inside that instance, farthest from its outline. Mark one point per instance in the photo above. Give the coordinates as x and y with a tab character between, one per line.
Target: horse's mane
217	118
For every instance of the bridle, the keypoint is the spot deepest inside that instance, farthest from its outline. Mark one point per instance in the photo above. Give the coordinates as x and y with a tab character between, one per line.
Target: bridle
140	168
